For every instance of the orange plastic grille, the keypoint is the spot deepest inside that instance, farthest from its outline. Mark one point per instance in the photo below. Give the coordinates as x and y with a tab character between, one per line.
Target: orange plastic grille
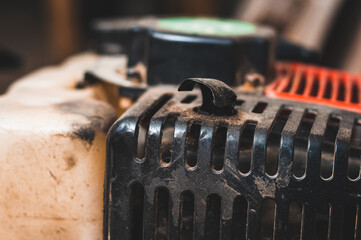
307	83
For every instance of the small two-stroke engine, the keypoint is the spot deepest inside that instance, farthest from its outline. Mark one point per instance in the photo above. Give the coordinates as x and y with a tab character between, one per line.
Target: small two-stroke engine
270	150
219	139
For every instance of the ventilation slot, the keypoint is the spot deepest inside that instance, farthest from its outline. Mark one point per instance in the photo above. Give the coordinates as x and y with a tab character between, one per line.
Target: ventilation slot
302	84
354	159
186	216
301	143
294	225
189	99
355	93
167	140
260	107
322	221
161	203
289	82
239	218
268	213
192	145
314	88
245	147
328	89
213	217
144	122
274	141
341	91
349	221
219	143
328	147
136	209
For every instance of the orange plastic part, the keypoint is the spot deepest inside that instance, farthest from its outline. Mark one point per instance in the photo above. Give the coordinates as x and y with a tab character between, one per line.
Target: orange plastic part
308	83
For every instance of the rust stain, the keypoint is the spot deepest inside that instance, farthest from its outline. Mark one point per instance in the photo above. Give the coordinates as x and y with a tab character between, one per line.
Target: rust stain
70	162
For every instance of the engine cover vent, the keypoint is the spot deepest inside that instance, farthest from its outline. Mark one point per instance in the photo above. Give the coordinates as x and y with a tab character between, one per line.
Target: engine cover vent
307	83
273	170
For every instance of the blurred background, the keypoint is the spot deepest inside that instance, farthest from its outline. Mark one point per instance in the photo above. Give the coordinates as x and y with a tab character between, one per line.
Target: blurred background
34	33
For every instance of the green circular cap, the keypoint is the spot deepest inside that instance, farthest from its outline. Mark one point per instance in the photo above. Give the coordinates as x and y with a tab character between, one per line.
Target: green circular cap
207	26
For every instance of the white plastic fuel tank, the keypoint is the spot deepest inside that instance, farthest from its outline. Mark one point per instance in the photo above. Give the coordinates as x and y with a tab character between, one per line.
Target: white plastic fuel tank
52	154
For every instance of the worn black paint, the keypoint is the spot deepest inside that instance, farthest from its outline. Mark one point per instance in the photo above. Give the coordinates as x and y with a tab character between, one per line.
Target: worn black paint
255	186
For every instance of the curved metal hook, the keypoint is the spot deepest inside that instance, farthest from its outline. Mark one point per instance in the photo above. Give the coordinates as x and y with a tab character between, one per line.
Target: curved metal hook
218	97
